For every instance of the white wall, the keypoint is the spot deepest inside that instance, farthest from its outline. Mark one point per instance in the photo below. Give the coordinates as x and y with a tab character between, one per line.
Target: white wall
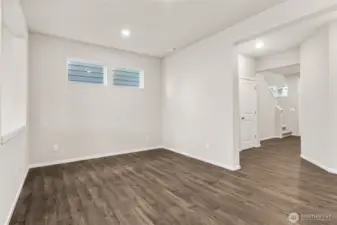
314	97
13	70
274	78
200	108
246	66
86	119
318	107
266	108
282	59
292	102
333	97
13	170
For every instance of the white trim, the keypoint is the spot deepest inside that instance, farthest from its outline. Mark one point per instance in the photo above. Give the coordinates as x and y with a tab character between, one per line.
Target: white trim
7	137
62	161
272	137
10	214
231	168
330	170
253	79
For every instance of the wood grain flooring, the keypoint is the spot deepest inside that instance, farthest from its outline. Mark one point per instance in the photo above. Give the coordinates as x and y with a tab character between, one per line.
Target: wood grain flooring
164	188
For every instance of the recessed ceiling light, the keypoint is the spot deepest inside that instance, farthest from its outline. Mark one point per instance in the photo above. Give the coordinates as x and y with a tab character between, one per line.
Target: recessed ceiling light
259	44
126	33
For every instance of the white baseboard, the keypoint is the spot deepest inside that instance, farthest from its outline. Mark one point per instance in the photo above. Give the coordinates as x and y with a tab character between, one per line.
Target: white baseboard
57	162
17	195
232	168
272	137
330	170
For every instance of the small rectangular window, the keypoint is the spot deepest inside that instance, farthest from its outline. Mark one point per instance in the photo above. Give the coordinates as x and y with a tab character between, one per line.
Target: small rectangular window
85	72
127	78
279	91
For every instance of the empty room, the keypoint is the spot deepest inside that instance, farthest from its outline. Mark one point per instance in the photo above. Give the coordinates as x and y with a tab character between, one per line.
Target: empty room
168	112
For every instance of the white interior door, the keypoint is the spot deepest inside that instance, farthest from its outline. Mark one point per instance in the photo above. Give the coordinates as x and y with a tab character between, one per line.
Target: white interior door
248	114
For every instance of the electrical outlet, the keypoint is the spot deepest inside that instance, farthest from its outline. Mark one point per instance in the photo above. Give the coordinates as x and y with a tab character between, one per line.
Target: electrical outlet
207	145
55	147
148	137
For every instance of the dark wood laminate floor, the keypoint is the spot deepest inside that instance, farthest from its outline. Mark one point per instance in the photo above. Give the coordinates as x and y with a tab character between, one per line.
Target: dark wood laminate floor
164	188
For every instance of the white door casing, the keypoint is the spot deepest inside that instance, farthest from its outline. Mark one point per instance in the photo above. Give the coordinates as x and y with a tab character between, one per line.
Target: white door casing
248	113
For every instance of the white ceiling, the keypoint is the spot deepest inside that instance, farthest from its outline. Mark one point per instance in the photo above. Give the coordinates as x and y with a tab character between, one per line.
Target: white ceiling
287	38
157	25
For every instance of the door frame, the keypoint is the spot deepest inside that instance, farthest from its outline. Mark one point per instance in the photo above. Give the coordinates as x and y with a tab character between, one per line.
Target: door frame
257	142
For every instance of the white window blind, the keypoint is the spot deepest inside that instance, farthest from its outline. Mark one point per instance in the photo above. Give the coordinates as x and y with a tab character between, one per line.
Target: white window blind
127	77
85	72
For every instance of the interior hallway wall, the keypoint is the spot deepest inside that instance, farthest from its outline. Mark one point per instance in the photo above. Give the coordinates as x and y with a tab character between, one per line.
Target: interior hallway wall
14	155
246	66
266	109
315	98
293	103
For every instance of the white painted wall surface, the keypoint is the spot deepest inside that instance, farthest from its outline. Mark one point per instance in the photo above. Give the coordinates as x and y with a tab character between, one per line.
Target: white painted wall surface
333	93
13	69
13	170
200	106
314	97
286	58
86	119
246	66
274	79
14	154
292	102
266	109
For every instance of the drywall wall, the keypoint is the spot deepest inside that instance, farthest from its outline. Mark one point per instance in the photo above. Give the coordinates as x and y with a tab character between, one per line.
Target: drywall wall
274	79
292	102
246	66
13	72
200	99
86	120
333	96
13	170
314	97
318	118
266	108
282	59
13	69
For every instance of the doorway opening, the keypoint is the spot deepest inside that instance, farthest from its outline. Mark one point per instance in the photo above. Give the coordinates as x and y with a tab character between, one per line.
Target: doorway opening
273	98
